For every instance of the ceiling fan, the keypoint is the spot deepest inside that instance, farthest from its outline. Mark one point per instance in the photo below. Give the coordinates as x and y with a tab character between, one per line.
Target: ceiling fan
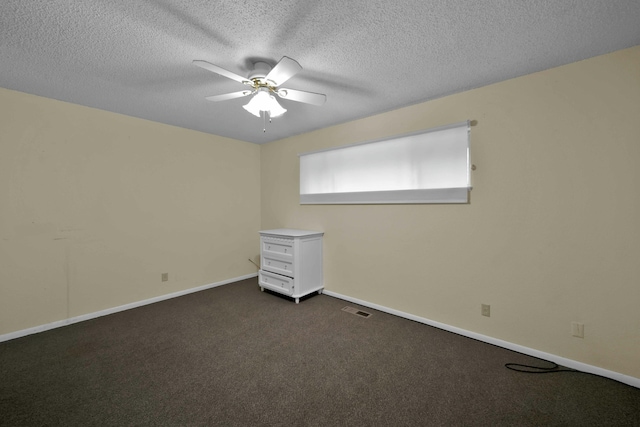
262	83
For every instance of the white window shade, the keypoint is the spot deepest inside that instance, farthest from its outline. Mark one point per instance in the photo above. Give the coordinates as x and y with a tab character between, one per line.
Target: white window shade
431	166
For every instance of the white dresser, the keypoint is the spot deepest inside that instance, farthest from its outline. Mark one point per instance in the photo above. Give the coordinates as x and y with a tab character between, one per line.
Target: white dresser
291	262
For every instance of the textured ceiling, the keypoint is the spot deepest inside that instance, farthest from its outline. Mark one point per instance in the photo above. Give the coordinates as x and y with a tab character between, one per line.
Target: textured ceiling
368	56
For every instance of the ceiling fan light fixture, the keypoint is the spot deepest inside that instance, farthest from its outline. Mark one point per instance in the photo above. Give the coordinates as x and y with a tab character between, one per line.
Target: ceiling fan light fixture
265	82
264	101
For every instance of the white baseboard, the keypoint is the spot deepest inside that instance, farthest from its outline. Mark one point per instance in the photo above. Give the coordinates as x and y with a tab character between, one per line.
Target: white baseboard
65	322
626	379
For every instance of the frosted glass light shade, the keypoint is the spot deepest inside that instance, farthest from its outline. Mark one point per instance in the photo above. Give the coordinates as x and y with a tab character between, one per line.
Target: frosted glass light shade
264	101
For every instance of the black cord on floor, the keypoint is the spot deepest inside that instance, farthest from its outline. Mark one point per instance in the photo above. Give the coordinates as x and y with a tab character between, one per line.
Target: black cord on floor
530	369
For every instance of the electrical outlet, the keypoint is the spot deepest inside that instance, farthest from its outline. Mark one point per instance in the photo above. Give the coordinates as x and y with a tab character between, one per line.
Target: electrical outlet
165	277
486	310
577	329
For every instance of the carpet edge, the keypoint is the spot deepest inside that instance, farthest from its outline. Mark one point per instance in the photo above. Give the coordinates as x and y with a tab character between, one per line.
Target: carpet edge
574	364
69	321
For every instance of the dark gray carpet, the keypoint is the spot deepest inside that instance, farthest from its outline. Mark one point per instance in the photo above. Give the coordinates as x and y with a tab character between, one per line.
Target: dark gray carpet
235	356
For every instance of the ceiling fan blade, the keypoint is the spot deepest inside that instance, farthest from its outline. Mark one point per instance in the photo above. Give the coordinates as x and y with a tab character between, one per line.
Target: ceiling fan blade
221	71
283	71
226	96
302	96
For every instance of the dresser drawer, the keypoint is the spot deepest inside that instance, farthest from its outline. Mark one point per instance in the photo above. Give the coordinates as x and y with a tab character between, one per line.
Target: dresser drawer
276	282
278	266
277	248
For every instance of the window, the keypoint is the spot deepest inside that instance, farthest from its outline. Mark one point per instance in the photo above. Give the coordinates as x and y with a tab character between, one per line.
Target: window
430	166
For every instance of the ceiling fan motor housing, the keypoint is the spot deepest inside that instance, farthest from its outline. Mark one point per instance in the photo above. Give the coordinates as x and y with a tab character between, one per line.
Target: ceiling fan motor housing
260	70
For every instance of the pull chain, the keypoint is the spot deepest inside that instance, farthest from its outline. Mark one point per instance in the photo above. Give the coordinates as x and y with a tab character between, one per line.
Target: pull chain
264	115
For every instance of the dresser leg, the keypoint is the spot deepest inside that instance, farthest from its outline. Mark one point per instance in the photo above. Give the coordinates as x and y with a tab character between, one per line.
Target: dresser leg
297	300
261	288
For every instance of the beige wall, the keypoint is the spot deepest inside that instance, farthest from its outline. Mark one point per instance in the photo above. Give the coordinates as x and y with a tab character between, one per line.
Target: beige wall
552	233
94	206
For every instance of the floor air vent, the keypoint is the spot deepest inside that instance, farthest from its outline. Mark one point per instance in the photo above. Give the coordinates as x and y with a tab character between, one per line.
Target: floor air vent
356	312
